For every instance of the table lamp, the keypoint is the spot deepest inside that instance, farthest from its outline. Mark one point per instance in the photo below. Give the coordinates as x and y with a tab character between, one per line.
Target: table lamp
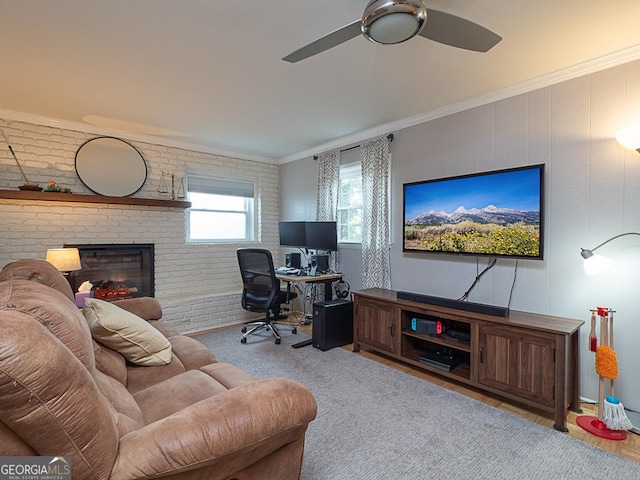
65	260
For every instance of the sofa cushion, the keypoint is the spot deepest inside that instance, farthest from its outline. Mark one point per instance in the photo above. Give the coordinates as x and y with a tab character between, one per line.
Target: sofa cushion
140	377
177	392
190	351
128	334
50	399
58	314
127	414
37	271
228	375
110	362
13	445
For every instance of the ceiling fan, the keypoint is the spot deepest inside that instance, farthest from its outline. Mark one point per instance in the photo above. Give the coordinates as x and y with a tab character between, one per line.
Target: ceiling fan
389	22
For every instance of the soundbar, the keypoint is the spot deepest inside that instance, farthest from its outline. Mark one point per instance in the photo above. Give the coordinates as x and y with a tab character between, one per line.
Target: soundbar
451	303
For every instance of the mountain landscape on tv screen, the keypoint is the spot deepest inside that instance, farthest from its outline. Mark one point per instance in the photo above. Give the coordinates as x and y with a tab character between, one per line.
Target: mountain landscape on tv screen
487	231
488	215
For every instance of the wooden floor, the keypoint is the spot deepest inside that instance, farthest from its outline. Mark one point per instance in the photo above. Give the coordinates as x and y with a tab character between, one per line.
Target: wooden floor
629	448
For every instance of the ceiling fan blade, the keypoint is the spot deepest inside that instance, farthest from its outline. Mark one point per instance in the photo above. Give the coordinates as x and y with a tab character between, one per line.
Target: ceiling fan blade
325	43
455	31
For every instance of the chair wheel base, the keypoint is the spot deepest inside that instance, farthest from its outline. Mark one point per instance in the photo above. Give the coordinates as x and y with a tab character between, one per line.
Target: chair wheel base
243	340
244	330
277	341
294	331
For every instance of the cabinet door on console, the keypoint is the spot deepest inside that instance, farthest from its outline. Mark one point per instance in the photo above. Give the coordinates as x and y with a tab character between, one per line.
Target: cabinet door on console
518	362
377	324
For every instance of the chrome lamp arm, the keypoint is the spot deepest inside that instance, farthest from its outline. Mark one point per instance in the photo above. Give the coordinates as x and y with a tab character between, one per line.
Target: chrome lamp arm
587	253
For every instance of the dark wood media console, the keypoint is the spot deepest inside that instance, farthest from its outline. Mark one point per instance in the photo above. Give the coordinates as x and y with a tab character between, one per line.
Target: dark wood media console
526	357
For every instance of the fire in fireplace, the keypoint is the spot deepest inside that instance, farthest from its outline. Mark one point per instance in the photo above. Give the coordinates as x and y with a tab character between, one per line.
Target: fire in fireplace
117	271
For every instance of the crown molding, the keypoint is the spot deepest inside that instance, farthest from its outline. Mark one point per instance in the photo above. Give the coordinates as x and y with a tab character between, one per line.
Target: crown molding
131	136
553	78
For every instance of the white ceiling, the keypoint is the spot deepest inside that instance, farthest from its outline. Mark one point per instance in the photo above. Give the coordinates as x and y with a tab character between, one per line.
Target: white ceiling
209	73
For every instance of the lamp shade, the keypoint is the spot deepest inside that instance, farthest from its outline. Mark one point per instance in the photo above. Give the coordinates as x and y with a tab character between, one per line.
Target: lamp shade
64	259
629	137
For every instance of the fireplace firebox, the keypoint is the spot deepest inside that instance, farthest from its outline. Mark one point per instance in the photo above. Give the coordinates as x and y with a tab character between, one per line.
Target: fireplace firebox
116	271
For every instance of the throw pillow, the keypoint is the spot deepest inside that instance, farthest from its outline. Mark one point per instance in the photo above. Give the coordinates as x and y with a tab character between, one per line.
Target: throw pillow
126	333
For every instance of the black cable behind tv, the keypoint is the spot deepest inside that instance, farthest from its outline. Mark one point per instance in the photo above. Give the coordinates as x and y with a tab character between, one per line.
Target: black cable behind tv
459	304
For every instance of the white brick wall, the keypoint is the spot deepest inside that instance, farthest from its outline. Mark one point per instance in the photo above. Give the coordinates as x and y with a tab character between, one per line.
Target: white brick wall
197	285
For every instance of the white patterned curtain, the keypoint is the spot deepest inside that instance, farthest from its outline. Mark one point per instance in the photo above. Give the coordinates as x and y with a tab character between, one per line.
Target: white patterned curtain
374	157
328	186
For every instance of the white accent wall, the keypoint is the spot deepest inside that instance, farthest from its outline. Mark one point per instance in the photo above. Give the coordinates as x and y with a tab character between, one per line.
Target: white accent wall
592	193
198	285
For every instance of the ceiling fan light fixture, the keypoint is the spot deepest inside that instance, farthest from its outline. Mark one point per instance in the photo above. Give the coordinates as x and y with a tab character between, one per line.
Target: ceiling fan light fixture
389	22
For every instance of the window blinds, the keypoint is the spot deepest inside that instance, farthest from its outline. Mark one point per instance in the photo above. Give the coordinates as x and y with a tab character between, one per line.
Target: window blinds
221	186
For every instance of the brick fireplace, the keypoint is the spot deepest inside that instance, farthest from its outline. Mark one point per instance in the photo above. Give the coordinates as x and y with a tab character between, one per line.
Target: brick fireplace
117	271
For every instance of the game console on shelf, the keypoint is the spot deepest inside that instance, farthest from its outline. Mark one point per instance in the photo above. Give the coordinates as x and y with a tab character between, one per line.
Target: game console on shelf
444	359
426	327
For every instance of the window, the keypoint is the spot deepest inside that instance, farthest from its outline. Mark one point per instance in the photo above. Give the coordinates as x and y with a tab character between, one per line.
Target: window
350	204
222	209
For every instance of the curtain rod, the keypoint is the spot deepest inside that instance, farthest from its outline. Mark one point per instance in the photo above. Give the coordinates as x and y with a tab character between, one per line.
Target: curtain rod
389	137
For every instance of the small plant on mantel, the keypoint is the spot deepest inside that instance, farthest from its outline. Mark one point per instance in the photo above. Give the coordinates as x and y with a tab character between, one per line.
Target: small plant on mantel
54	187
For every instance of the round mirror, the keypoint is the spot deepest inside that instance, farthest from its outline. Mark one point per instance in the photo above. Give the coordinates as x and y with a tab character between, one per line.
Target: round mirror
110	166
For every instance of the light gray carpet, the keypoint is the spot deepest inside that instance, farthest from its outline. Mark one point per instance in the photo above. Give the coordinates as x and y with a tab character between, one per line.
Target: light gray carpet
375	422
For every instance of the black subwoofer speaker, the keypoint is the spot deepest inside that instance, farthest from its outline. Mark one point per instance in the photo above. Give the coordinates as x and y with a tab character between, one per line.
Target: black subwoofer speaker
332	324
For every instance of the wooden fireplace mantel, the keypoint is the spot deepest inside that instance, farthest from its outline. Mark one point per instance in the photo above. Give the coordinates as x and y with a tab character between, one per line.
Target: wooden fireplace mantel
83	198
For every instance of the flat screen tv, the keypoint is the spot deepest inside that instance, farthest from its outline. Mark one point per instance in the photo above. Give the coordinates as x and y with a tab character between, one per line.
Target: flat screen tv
322	236
292	234
496	214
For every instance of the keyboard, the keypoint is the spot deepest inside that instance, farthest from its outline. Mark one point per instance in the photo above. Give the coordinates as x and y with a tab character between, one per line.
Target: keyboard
288	271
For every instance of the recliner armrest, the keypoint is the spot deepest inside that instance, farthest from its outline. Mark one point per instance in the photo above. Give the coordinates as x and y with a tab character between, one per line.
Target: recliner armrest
240	422
145	307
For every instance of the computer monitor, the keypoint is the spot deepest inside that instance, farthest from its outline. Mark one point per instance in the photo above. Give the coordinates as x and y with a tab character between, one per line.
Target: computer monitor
322	236
292	234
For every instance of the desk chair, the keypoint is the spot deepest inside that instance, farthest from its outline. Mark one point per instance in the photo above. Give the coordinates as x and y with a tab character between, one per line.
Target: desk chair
261	291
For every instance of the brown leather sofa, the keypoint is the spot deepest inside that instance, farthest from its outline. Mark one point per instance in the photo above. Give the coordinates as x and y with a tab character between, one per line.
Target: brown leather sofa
62	393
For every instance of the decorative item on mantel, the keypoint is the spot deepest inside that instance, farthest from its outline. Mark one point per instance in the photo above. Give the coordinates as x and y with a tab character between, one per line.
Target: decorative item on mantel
162	187
34	187
54	187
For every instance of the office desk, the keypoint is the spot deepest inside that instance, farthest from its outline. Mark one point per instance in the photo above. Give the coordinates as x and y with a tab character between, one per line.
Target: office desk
326	278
